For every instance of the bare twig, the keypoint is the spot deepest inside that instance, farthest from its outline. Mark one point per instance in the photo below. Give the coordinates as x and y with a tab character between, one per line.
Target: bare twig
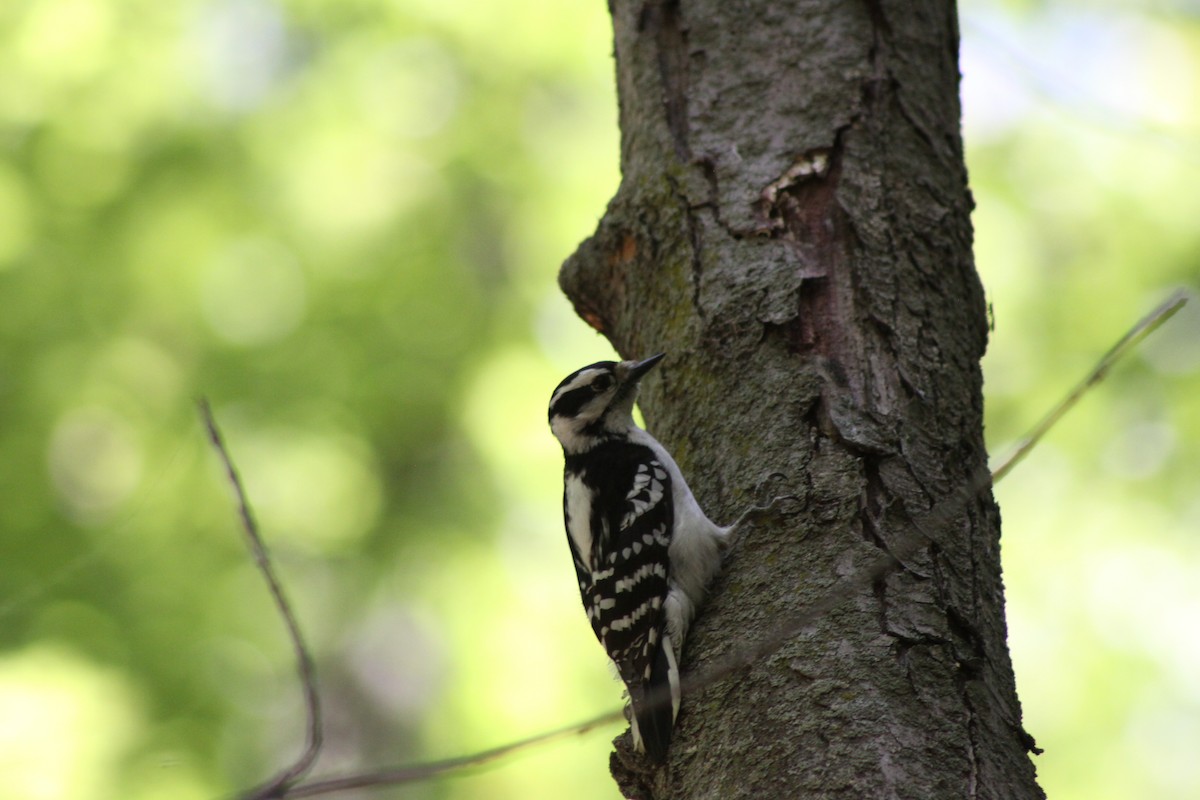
432	769
908	543
1148	324
280	785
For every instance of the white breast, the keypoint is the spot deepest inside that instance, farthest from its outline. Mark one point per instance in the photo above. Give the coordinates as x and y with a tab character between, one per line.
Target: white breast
579	518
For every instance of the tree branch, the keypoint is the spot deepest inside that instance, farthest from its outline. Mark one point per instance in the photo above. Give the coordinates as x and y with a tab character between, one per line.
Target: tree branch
1148	324
279	785
432	769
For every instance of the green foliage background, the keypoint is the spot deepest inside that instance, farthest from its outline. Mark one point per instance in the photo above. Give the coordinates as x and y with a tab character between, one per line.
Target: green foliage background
341	220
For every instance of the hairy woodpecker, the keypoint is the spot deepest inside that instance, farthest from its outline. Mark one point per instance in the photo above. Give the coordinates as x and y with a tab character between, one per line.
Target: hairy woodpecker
644	551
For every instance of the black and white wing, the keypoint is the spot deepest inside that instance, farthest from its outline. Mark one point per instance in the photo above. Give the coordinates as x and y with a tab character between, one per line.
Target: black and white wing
623	572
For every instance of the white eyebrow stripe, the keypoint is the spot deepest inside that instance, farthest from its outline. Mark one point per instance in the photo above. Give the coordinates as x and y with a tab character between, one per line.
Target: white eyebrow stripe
578	382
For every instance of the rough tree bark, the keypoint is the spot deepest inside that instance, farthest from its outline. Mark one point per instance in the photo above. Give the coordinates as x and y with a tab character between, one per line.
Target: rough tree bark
793	229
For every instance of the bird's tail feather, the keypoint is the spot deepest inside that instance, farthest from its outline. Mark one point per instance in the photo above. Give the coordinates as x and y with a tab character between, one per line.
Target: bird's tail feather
655	706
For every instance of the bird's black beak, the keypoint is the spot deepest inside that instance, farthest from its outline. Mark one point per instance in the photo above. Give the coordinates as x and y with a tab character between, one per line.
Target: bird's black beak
639	368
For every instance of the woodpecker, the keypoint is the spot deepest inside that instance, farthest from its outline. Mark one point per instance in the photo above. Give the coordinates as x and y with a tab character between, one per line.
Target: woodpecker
643	549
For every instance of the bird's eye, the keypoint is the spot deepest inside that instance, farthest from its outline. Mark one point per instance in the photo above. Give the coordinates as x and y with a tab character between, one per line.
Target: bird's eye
602	383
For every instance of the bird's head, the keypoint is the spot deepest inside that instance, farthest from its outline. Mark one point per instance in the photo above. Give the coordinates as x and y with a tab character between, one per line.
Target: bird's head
596	402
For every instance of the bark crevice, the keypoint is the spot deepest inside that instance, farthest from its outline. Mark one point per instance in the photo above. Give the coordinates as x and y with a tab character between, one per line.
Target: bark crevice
663	19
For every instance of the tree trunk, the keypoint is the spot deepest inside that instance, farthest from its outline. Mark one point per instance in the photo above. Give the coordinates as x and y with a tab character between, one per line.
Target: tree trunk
793	229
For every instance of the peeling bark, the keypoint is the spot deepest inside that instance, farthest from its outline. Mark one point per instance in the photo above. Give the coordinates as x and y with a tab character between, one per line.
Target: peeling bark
793	228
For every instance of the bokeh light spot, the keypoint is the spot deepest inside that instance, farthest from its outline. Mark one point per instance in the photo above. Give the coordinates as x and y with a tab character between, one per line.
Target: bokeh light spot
95	461
398	658
1139	450
253	292
319	492
66	39
142	371
410	90
64	726
505	415
346	181
243	46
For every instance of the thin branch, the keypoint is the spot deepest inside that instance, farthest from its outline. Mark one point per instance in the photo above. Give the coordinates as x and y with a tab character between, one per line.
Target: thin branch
907	544
280	785
1148	324
433	769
